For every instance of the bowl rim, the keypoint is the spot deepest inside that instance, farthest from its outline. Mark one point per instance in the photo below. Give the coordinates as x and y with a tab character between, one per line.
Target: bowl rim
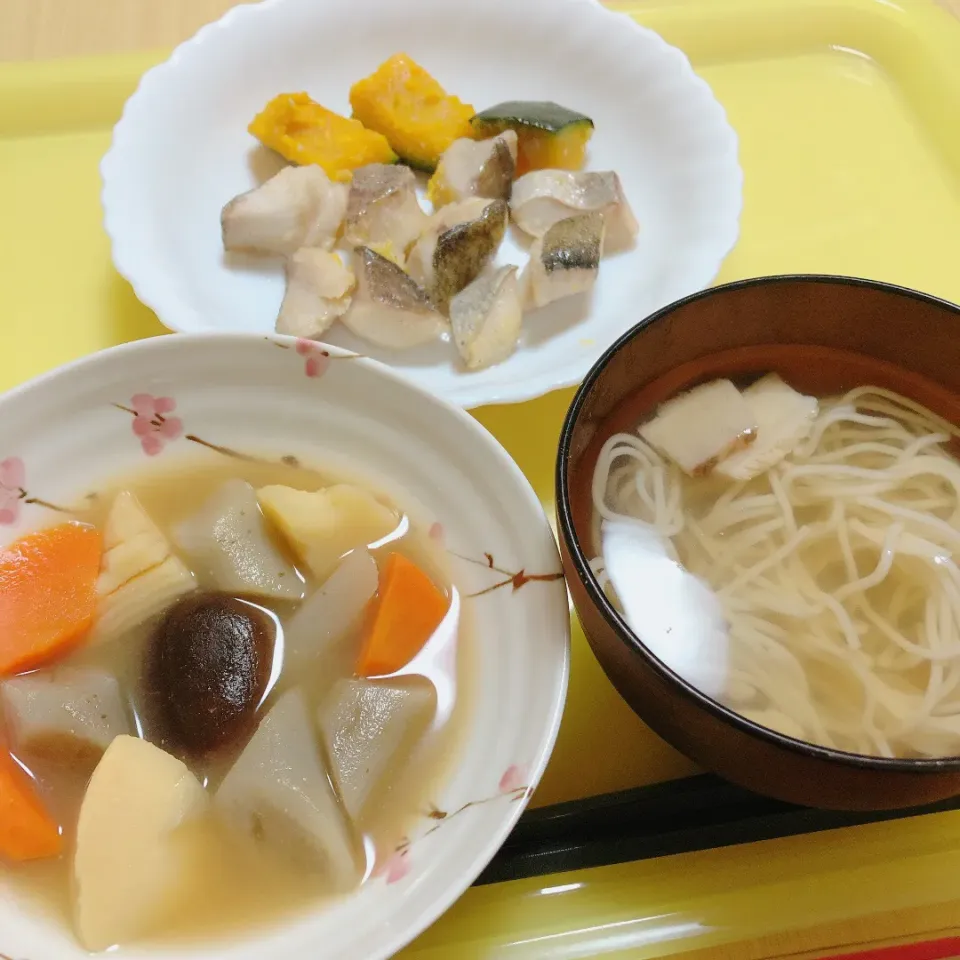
467	870
919	765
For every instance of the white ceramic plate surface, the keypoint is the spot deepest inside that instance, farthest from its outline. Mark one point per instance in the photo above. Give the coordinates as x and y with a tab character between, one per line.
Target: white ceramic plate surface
181	150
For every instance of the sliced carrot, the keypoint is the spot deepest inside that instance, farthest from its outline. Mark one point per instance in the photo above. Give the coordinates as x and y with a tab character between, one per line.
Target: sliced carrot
27	831
409	610
48	594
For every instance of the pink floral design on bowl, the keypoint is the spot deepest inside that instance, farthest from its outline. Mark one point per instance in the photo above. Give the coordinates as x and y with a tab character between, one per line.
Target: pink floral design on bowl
317	359
151	423
514	779
13	478
396	866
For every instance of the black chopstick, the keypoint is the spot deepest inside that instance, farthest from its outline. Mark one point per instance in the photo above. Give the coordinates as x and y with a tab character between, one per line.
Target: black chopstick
680	816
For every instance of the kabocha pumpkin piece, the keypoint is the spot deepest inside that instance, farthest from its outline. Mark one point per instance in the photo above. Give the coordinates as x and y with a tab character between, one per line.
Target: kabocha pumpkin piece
302	131
410	108
550	136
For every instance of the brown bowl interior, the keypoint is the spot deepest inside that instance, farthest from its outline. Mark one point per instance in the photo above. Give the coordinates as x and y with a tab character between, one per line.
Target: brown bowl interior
824	335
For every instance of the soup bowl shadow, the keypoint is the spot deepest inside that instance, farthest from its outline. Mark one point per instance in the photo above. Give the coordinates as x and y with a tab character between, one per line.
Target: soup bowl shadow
824	335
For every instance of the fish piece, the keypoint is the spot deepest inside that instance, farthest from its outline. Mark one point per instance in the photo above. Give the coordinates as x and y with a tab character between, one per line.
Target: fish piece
486	317
420	262
228	543
140	576
544	197
278	793
383	208
129	874
390	309
565	260
370	726
699	428
71	715
784	418
472	168
459	242
318	291
297	207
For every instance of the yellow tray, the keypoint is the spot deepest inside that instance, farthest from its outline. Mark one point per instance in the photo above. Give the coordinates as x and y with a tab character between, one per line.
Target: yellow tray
847	113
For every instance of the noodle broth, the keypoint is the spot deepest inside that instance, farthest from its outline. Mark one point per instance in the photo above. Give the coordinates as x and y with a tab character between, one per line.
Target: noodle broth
820	598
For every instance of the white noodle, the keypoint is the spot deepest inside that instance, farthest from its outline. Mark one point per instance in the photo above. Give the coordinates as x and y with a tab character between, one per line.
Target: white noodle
837	570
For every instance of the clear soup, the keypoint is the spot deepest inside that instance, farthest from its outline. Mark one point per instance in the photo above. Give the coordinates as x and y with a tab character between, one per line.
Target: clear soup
380	743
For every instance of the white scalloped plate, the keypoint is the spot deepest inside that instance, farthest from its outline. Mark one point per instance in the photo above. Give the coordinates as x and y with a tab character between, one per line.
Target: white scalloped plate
182	149
66	433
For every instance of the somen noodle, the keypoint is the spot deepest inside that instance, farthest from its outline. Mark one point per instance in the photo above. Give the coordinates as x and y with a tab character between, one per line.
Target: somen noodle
835	571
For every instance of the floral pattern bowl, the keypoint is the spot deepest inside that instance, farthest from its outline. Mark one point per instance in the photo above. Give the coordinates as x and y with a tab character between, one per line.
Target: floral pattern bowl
226	395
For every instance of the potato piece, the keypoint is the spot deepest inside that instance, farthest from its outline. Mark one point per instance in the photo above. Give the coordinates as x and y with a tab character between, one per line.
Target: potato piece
370	726
228	541
323	525
139	574
278	793
70	716
328	613
128	871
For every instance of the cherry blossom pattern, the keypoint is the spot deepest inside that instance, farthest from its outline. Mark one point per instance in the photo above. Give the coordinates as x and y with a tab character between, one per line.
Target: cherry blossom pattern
514	780
435	533
396	866
13	478
14	496
317	358
152	423
513	785
508	578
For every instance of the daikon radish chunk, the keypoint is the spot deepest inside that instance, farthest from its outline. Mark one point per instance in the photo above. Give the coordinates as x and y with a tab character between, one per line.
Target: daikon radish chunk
140	576
784	418
71	715
327	615
701	427
322	525
279	794
228	544
129	872
371	725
